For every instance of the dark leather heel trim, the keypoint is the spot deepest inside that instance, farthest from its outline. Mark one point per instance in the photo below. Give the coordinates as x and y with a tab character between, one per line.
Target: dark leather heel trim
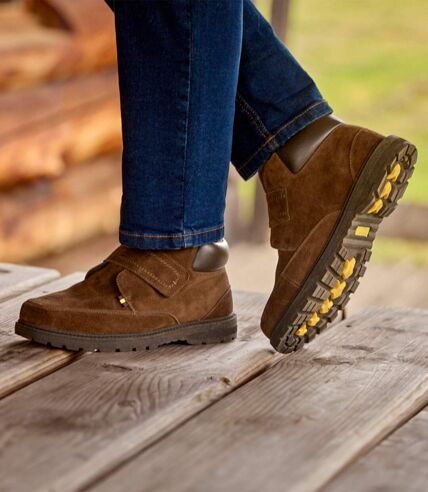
297	151
211	257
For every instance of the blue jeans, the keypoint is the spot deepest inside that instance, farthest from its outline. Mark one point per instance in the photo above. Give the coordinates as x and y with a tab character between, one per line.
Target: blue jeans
203	83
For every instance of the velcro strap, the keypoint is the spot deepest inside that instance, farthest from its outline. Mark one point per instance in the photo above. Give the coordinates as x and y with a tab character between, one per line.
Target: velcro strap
157	269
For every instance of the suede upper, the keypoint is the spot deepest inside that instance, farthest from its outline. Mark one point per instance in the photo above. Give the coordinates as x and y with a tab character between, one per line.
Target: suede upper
304	208
135	291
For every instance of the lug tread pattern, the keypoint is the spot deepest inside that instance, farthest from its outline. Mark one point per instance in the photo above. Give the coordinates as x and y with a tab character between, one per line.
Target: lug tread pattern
352	246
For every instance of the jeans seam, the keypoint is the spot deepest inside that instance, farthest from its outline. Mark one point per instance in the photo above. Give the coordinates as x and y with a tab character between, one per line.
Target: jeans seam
273	136
253	116
133	234
187	124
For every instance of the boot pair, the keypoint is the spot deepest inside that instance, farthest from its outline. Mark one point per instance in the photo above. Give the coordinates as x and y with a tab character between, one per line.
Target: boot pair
327	189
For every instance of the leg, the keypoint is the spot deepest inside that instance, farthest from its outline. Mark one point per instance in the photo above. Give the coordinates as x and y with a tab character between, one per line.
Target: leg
177	97
276	98
328	185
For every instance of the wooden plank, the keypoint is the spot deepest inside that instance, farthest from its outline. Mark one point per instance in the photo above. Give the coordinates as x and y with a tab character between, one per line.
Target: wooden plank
60	132
80	204
15	279
59	54
69	428
22	362
78	16
13	17
378	287
52	101
301	422
398	463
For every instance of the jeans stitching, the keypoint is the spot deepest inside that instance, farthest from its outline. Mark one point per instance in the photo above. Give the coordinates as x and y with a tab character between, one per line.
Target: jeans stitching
272	137
186	139
251	113
132	234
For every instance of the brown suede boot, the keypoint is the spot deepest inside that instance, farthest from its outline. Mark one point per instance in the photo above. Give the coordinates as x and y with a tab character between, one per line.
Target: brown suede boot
138	300
327	189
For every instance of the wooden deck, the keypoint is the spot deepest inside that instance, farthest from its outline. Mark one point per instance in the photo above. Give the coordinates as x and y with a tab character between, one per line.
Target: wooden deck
346	413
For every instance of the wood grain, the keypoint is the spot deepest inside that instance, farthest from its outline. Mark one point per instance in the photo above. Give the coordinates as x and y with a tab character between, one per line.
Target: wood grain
22	362
49	215
51	101
13	17
31	53
78	16
297	425
74	425
71	123
398	463
16	279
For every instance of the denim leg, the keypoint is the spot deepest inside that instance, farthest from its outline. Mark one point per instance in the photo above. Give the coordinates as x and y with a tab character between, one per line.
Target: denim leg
276	98
178	73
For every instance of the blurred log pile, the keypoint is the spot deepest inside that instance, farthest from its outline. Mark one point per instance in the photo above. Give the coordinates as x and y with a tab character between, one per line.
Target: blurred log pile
59	125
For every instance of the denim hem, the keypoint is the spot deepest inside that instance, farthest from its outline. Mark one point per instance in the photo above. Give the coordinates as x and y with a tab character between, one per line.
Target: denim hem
171	241
249	167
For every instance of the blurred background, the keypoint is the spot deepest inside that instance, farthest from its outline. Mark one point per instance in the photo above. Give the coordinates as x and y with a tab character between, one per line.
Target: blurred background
60	132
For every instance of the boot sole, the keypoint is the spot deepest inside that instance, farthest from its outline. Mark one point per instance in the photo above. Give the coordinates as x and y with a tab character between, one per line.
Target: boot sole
335	276
211	331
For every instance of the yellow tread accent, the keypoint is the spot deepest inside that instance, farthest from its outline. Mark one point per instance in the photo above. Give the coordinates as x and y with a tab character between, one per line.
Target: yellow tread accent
301	331
326	306
348	267
338	289
362	231
313	319
393	175
386	191
376	207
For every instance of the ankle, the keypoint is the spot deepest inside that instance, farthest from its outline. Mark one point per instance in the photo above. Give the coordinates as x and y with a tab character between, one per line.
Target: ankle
301	146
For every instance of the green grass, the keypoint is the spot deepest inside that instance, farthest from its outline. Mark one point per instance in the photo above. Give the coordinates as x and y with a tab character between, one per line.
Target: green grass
370	60
388	250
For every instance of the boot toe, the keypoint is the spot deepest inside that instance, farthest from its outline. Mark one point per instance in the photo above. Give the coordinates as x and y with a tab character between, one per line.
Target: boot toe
45	314
42	312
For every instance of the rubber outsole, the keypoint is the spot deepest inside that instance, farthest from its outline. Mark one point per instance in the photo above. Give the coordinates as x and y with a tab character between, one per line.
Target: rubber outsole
211	331
335	276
